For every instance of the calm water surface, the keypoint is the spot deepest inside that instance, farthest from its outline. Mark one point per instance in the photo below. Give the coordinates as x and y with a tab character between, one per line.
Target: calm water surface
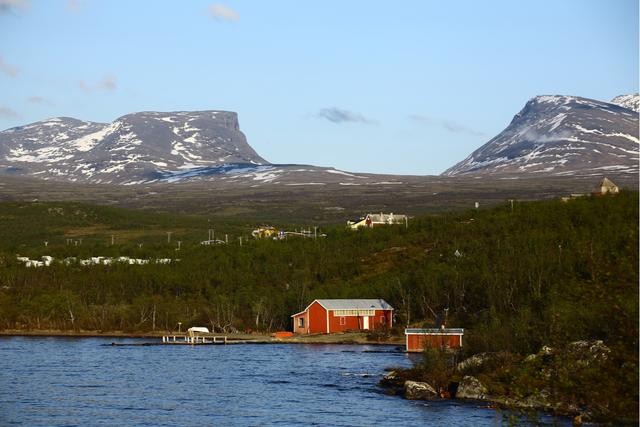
80	381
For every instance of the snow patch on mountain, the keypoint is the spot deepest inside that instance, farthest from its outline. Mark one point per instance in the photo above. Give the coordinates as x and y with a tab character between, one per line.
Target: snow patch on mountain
138	147
554	135
632	101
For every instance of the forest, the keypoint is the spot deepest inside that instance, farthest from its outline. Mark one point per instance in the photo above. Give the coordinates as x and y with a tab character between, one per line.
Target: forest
516	276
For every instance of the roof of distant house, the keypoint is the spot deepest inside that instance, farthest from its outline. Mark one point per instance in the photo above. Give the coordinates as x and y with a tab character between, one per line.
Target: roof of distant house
355	304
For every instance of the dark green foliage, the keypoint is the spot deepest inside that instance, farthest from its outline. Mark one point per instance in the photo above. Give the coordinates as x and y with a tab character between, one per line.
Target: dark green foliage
542	273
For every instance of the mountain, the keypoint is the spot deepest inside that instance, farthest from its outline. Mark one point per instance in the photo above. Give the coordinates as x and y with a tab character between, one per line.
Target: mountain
561	135
631	102
139	147
551	136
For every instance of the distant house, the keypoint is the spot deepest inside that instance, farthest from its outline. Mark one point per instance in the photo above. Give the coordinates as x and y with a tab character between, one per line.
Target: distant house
606	186
325	316
443	338
265	232
211	242
377	220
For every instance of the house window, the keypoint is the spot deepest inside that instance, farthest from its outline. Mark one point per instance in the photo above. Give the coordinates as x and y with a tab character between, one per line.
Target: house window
343	321
301	322
358	312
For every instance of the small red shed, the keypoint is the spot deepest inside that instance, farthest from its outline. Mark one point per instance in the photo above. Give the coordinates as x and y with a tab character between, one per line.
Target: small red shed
325	316
419	339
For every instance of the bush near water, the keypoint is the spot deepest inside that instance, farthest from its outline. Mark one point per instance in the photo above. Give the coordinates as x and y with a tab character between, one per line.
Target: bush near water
540	273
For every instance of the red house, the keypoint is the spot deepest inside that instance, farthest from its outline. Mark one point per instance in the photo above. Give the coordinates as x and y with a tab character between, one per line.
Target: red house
419	339
325	316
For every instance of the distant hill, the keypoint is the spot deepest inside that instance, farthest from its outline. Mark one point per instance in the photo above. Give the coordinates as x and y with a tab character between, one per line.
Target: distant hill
551	136
561	135
154	147
631	102
138	147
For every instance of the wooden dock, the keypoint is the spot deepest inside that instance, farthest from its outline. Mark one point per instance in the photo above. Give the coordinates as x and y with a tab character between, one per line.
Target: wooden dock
194	339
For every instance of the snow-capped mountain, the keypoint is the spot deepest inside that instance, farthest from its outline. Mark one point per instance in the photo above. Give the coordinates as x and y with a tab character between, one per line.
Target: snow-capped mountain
631	102
561	135
139	147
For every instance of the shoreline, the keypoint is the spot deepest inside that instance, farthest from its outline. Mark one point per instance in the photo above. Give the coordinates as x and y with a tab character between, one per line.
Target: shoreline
346	339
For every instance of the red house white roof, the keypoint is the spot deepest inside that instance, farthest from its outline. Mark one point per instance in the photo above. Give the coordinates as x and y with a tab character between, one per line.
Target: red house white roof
350	304
355	304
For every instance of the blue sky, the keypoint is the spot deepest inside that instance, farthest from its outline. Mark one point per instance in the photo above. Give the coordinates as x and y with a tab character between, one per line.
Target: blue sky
406	87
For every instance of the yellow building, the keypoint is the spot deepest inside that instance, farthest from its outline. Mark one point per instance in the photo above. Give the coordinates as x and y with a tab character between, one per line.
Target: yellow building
264	232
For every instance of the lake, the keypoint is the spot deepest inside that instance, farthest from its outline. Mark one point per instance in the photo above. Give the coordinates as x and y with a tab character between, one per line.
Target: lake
85	381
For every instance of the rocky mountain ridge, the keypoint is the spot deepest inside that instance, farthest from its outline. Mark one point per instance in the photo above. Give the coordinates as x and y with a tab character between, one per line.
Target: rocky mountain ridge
561	135
551	135
631	102
135	148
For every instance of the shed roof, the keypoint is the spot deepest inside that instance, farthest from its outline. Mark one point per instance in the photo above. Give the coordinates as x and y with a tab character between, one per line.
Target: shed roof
355	304
434	331
388	218
606	182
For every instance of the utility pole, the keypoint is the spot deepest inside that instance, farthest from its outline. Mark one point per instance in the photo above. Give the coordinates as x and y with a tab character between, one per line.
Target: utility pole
169	236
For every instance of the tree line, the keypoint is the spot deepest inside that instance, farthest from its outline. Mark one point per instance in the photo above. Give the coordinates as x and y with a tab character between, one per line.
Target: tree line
515	276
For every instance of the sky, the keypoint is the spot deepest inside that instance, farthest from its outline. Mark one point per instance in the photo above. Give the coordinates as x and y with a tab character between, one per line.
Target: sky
409	87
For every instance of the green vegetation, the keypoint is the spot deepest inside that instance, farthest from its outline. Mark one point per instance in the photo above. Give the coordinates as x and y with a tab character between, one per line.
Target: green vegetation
543	273
540	273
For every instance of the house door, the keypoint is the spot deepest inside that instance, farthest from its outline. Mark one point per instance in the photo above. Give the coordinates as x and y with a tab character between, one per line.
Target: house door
365	322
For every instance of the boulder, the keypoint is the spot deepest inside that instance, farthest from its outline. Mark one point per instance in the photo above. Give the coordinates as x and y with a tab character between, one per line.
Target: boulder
589	351
544	354
415	390
393	383
474	361
478	361
538	400
392	379
391	376
471	388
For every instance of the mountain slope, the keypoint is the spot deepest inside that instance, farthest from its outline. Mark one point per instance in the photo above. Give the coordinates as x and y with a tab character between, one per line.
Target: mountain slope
631	102
560	135
137	147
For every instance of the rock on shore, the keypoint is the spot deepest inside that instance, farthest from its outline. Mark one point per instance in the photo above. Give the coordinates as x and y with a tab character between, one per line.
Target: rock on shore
471	388
415	390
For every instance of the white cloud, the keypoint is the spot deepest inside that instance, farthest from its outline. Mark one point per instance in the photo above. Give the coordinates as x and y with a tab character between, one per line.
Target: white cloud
222	12
108	82
73	5
338	115
7	69
448	125
8	6
8	113
38	100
